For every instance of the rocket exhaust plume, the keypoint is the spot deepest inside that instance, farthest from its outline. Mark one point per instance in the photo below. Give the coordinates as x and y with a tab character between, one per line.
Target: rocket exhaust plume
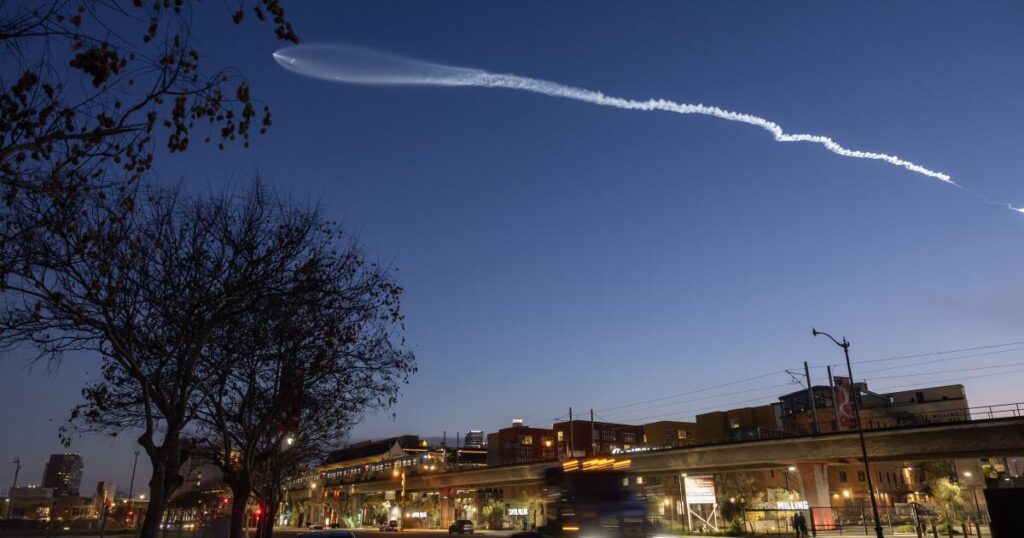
356	65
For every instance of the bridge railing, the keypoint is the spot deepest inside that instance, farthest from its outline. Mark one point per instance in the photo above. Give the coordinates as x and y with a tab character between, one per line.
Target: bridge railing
959	414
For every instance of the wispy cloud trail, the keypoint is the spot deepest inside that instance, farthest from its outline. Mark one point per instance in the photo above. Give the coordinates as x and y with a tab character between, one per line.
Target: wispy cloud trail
356	65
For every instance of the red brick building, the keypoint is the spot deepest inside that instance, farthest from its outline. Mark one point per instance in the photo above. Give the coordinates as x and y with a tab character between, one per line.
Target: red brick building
520	444
588	438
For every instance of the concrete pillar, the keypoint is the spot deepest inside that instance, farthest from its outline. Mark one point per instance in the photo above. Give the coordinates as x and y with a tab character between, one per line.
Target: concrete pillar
446	503
813	481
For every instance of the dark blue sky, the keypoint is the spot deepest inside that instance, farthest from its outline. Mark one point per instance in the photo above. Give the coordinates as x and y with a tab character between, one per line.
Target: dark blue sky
556	253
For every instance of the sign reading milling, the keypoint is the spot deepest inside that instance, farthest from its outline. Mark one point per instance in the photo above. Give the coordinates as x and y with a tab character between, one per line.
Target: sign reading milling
700	489
845	403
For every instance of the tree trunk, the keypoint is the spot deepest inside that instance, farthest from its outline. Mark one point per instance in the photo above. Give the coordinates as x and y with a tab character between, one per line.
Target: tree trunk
269	497
266	529
240	492
166	462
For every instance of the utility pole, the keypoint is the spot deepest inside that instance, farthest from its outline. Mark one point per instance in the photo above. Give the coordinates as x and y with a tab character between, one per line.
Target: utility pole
810	397
572	443
835	403
860	430
14	485
131	489
592	440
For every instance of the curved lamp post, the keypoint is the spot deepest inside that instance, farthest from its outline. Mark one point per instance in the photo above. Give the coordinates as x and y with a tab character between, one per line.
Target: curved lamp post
860	431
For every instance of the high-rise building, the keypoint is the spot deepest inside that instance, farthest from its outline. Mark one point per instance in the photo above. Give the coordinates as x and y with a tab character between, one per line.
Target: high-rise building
63	474
474	439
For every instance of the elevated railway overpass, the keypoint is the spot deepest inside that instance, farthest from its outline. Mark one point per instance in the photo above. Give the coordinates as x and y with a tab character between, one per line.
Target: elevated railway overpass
810	455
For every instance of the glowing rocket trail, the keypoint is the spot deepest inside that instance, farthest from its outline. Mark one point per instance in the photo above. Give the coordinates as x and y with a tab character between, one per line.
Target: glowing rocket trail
355	65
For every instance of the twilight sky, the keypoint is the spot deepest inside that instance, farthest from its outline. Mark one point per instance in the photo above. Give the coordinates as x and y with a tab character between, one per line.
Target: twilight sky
560	254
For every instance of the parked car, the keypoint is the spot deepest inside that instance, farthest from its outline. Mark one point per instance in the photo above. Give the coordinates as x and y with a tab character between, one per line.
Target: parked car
461	526
328	534
390	526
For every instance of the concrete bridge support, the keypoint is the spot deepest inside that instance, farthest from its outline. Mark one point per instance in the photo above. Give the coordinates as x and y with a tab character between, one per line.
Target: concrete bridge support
813	478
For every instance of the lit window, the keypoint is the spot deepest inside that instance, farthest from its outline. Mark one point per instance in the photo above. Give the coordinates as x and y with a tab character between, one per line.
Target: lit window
639	480
559	436
527	439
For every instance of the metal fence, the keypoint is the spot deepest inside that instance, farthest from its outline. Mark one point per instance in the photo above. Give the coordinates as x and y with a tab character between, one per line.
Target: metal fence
903	519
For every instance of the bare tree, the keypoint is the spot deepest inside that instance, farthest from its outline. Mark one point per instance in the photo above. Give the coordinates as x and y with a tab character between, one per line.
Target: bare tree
151	293
91	88
300	367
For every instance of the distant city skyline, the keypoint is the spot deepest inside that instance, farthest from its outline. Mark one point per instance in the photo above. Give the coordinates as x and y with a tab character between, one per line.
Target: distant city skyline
555	254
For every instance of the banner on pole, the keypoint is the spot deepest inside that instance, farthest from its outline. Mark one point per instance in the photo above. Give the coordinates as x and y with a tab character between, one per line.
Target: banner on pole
845	403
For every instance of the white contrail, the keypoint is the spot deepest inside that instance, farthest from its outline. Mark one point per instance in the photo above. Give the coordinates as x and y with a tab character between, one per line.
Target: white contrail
356	65
560	90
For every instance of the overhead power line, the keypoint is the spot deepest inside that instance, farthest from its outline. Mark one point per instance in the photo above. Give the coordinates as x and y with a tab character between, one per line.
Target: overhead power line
933	353
688	392
946	359
952	379
1008	365
712	397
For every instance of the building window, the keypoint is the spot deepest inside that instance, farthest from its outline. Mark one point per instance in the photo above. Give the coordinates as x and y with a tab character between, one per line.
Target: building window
608	435
639	480
559	436
860	476
629	437
527	440
842	476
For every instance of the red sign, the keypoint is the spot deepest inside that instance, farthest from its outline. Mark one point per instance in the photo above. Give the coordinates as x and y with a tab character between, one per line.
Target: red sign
845	403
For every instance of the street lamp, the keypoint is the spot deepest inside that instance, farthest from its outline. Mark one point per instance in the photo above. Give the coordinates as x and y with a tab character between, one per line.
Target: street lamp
785	473
860	431
682	501
977	507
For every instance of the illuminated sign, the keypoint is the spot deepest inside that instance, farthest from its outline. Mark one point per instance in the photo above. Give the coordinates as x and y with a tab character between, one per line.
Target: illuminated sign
792	505
517	511
418	515
638	449
700	489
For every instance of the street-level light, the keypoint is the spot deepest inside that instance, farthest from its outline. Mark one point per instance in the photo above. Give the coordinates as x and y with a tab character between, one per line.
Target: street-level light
845	344
967	474
290	440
